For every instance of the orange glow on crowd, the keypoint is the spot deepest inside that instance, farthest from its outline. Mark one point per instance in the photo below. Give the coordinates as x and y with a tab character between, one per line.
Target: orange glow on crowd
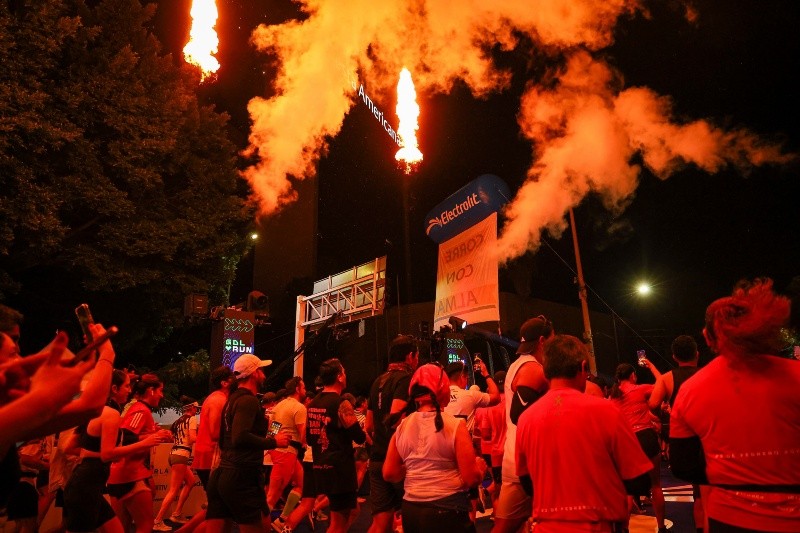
203	40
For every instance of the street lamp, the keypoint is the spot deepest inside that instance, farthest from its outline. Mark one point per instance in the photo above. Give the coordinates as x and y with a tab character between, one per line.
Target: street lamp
644	289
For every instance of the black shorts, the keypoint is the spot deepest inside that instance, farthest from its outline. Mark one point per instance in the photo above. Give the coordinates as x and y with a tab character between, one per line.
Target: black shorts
23	502
648	440
309	483
497	474
385	496
85	508
345	501
203	474
237	494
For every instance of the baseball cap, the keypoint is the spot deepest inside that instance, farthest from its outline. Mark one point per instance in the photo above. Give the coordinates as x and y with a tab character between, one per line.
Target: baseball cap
248	363
531	331
434	378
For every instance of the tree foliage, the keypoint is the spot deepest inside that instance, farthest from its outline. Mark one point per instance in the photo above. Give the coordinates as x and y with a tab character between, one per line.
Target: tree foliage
116	184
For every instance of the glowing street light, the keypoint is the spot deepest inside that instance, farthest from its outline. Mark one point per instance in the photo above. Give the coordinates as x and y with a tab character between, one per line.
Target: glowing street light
254	236
644	289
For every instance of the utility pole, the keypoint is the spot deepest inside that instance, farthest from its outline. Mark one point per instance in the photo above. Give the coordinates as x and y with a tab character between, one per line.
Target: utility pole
587	327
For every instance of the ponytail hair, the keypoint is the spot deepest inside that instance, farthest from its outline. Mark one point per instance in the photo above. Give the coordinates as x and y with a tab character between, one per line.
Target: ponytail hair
145	381
623	372
417	391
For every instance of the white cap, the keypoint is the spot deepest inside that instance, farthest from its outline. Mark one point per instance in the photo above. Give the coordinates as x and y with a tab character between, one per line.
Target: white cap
248	363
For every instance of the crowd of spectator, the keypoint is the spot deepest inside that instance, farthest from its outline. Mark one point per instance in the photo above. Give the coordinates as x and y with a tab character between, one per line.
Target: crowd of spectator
542	444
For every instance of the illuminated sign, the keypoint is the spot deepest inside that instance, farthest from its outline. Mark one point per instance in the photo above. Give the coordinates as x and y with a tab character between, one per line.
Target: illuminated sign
238	335
466	207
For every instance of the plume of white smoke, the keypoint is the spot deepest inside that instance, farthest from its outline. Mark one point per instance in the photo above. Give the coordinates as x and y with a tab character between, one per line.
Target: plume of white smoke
586	133
584	127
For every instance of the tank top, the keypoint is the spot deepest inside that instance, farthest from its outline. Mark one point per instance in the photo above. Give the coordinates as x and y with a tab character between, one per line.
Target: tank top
181	433
509	460
679	377
430	457
89	442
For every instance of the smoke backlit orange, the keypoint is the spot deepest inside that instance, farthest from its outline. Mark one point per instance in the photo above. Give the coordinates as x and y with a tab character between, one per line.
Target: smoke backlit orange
408	112
203	41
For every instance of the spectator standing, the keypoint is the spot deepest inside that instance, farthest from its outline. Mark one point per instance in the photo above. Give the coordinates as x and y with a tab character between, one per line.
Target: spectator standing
432	451
578	450
631	398
525	383
685	354
735	422
388	398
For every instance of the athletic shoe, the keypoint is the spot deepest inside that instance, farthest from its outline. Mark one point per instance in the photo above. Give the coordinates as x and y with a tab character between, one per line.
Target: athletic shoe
161	526
178	519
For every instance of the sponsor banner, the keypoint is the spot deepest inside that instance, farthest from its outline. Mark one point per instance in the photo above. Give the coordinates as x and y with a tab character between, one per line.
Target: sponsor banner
466	280
466	207
239	335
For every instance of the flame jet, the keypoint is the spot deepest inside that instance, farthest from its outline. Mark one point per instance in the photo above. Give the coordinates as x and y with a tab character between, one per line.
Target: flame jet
203	40
588	131
408	113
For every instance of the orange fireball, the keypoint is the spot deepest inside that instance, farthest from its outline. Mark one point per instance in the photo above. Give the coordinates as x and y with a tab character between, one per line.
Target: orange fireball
408	113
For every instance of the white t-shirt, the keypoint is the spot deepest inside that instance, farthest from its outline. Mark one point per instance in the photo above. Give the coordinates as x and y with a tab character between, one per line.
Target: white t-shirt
463	403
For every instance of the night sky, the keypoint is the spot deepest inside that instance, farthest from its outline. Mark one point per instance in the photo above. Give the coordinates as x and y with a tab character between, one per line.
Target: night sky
692	235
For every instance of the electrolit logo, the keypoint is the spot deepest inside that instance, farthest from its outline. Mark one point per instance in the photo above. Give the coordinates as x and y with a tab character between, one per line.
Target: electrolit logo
451	214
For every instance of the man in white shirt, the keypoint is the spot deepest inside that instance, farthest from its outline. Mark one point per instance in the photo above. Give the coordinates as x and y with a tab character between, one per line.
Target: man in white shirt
463	401
525	383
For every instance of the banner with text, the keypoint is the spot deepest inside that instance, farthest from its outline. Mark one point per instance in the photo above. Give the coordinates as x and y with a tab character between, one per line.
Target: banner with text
466	280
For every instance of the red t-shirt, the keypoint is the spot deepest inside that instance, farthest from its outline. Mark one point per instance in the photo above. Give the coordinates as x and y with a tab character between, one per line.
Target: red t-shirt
138	420
633	404
579	449
494	422
747	415
205	447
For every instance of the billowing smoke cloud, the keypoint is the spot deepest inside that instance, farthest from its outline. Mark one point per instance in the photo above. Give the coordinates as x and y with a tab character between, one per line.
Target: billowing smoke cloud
584	127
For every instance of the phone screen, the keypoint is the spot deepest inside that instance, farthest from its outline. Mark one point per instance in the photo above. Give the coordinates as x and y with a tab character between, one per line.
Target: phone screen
274	428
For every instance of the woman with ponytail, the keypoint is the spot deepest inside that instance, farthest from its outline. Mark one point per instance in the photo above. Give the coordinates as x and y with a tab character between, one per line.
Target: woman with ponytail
130	483
631	398
432	451
735	424
85	507
184	434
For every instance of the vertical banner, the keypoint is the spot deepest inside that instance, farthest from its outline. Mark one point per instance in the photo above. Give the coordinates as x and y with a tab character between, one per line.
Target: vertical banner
466	280
238	336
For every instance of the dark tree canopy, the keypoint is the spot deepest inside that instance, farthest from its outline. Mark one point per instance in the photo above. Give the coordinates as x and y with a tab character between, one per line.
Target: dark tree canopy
117	186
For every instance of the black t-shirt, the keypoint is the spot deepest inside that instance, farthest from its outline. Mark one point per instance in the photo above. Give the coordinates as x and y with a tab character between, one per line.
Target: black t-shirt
243	433
391	385
332	446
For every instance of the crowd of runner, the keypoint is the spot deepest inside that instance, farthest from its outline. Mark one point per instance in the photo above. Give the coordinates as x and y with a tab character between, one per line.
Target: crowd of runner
539	447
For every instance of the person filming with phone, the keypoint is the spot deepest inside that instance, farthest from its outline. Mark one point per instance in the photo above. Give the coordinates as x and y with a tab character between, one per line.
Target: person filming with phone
631	398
